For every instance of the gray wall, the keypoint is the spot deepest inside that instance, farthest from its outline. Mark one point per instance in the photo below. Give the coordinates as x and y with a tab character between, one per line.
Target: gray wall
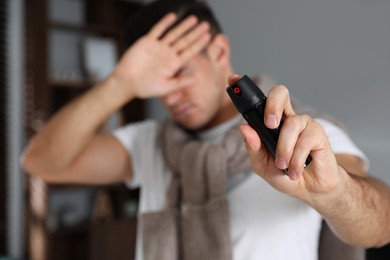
333	55
15	130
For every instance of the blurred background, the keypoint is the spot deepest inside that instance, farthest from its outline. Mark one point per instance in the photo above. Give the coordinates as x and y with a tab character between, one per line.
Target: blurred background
333	55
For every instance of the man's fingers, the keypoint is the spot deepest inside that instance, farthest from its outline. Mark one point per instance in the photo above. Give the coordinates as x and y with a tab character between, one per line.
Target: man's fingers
161	26
278	105
311	139
195	48
191	37
233	79
180	82
180	30
251	139
175	84
291	131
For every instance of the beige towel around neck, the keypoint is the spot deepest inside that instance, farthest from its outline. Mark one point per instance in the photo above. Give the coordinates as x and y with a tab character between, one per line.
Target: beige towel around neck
195	222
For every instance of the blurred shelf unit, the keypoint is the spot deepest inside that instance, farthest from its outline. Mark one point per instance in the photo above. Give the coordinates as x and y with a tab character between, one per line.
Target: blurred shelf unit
71	45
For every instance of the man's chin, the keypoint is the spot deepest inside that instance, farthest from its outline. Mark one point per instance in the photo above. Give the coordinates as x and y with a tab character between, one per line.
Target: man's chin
188	124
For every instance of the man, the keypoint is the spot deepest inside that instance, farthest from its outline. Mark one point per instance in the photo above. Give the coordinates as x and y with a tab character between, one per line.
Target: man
199	198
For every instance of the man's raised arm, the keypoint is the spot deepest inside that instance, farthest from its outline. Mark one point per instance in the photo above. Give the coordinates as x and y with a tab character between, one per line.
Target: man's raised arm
68	149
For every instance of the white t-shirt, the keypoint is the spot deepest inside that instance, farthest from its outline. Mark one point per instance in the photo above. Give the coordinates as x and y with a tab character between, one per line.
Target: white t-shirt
264	223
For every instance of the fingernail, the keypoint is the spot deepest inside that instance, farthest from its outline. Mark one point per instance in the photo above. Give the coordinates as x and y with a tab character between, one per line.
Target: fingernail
281	163
272	121
293	175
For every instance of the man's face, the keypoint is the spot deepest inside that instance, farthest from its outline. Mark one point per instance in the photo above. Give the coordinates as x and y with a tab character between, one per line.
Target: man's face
198	106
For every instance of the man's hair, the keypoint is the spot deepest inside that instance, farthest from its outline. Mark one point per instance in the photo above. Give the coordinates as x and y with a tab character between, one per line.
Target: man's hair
149	15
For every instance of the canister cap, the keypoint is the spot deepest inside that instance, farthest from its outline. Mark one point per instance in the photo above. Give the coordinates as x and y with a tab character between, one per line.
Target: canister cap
245	93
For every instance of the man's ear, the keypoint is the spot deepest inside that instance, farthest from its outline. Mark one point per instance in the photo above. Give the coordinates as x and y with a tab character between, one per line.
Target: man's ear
219	50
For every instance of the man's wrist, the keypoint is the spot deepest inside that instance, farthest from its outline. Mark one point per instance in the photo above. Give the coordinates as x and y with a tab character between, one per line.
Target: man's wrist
121	90
335	197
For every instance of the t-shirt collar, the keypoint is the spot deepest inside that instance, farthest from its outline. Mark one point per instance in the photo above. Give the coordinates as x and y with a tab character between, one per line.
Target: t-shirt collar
216	134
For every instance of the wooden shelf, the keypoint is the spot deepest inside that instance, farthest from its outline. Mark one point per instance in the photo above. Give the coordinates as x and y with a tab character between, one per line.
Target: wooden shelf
69	231
101	241
87	29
